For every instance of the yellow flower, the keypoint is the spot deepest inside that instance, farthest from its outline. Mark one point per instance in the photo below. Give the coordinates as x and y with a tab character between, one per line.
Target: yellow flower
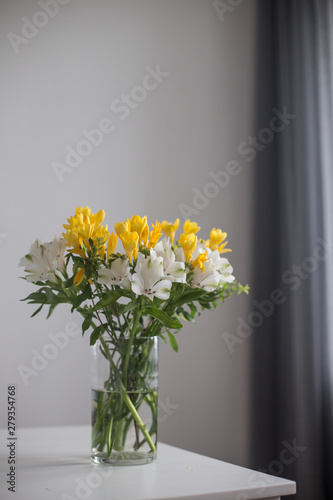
130	242
215	239
84	226
221	248
145	234
198	262
121	227
79	277
170	229
98	218
191	227
112	243
155	234
101	235
188	243
73	239
140	226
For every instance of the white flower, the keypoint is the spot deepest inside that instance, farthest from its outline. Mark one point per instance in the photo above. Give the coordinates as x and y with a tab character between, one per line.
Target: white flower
179	255
116	274
175	271
149	279
55	253
44	259
223	267
208	280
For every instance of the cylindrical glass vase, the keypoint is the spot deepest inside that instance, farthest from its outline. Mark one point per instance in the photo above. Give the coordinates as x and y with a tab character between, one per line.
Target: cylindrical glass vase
124	400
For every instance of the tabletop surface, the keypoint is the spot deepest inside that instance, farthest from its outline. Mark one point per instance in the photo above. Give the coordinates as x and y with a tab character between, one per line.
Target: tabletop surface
53	463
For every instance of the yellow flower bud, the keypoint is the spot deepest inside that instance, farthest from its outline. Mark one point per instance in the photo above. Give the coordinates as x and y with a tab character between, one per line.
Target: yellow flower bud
112	243
145	234
221	248
191	227
130	243
121	227
85	226
188	243
170	229
215	239
79	277
155	234
198	262
98	218
141	227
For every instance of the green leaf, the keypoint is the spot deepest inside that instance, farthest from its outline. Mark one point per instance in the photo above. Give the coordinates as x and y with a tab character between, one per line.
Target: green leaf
193	309
242	288
163	318
41	300
88	273
106	301
36	296
173	341
95	334
163	338
189	296
86	294
186	315
37	310
52	298
87	322
41	295
127	307
70	282
51	309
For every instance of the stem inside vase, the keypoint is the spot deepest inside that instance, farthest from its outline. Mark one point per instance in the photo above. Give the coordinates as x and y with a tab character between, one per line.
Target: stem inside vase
124	400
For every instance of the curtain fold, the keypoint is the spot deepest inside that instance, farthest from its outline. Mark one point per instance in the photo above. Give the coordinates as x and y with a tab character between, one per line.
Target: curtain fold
292	350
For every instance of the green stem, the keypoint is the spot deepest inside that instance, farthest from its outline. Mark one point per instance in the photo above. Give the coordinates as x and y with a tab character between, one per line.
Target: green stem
102	411
130	343
138	420
106	349
120	426
124	394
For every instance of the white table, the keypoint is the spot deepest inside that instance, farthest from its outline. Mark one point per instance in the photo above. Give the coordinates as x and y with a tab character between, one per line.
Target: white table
53	464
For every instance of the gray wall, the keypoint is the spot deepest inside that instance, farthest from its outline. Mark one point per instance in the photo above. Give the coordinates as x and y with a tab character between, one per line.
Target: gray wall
62	78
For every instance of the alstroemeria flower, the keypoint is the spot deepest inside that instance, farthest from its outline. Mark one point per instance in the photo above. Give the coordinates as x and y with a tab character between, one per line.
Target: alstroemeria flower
179	255
175	271
116	274
223	267
209	280
149	279
44	259
55	253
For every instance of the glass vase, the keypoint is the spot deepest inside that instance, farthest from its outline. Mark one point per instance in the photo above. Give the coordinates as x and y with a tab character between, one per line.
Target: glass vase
124	400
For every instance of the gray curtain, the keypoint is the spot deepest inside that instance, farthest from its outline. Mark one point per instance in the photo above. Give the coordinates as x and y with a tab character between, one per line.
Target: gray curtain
292	381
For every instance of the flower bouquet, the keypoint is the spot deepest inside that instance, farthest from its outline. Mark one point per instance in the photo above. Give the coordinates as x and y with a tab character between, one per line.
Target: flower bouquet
128	300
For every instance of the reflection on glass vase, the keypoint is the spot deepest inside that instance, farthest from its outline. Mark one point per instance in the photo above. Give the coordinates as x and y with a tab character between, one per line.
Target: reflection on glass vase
124	400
